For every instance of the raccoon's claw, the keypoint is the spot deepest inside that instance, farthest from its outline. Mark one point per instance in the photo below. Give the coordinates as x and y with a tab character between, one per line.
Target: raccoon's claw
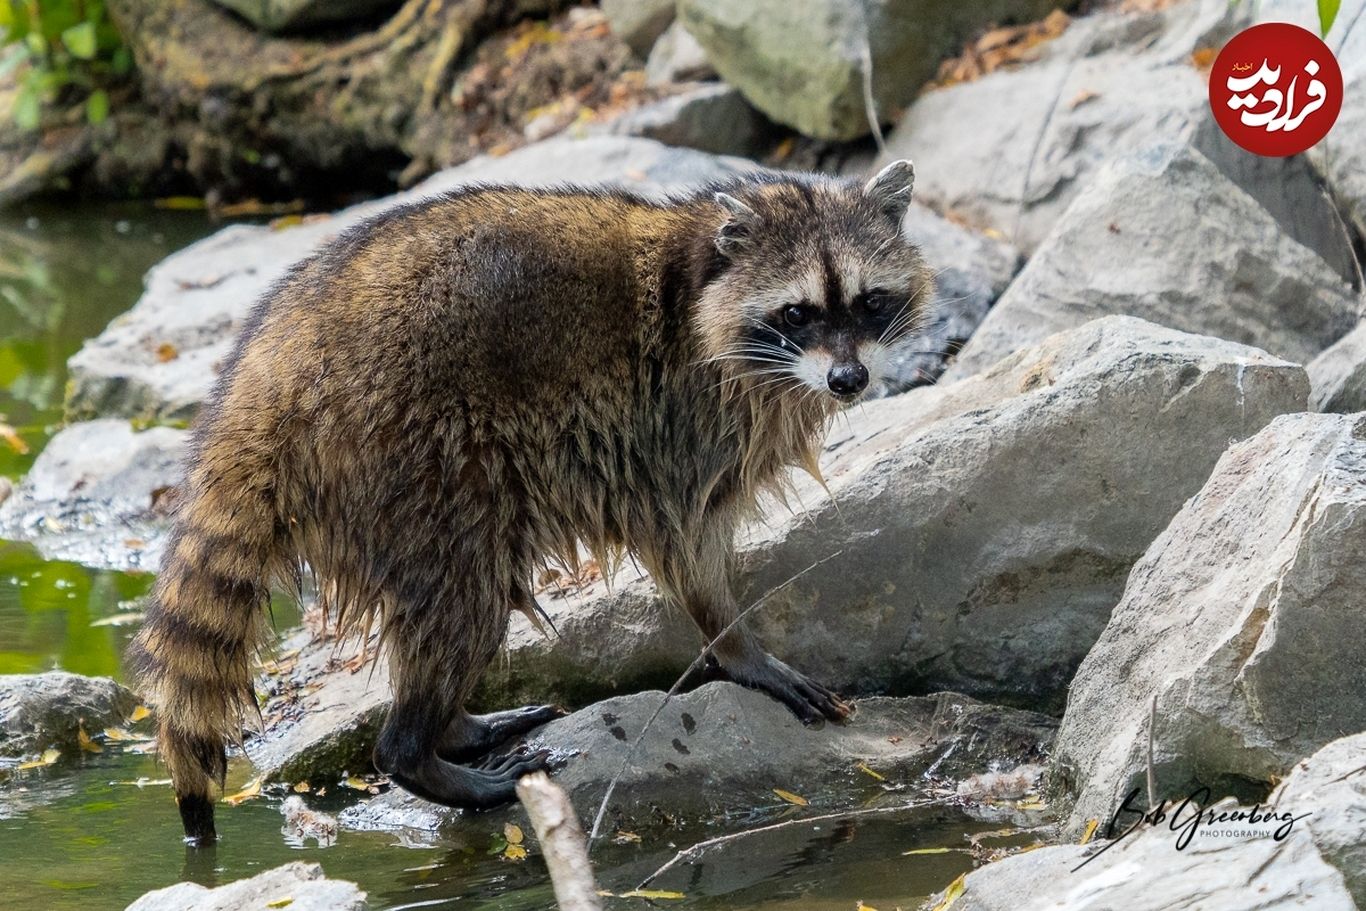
472	789
808	700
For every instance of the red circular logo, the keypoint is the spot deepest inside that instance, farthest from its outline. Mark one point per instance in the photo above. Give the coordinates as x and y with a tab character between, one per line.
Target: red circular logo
1275	89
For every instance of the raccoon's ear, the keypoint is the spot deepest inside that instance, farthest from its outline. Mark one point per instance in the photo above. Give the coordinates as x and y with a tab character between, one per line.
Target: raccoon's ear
738	227
891	189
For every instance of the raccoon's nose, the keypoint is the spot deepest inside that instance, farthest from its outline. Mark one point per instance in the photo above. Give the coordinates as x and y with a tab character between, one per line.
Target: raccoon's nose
847	379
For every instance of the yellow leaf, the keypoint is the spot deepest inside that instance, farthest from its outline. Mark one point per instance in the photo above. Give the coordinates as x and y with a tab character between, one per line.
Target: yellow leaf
1030	803
86	744
651	893
47	759
863	907
250	792
513	834
791	798
356	783
926	851
951	894
119	735
139	713
1091	826
863	767
280	903
302	787
11	436
515	852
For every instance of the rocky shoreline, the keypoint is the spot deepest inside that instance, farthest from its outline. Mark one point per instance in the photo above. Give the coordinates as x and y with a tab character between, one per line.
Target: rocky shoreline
1121	542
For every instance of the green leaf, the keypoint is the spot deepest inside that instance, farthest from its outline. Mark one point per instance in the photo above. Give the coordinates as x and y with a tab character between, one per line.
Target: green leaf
97	106
1328	11
28	109
79	40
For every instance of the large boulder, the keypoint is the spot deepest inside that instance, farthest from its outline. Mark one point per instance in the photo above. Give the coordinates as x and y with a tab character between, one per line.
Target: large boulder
277	15
1165	236
1330	787
982	533
1243	621
639	22
298	886
722	748
159	359
1338	375
99	494
802	64
710	117
38	711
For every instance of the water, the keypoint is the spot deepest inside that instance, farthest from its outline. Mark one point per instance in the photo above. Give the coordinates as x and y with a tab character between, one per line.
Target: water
83	834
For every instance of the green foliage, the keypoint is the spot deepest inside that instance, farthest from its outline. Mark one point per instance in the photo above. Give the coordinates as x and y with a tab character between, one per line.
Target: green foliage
72	52
1328	13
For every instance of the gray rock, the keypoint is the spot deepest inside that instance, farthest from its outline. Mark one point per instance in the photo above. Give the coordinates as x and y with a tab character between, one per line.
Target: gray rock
802	63
1338	375
971	272
302	883
1243	620
197	299
1165	236
722	748
711	117
279	15
98	495
1330	787
677	57
1145	872
984	532
38	711
639	22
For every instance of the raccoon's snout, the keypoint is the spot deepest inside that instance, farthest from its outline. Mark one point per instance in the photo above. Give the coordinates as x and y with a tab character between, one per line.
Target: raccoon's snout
847	379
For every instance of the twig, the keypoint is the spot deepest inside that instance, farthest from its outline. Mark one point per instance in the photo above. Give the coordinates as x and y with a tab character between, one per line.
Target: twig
673	690
1152	723
702	846
866	65
562	842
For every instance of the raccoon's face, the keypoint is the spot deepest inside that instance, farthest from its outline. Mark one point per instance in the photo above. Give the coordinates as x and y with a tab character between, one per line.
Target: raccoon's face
819	284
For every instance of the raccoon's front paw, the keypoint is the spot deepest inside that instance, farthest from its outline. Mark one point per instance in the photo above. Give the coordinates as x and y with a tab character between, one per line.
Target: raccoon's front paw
808	700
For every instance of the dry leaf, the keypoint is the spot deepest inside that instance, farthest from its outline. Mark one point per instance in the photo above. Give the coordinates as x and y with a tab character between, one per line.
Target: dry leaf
626	838
1031	803
951	894
863	767
513	834
47	759
918	851
11	436
119	735
863	907
515	852
302	787
280	903
1203	58
1082	97
120	619
86	744
791	798
356	783
250	792
167	352
1089	833
651	894
139	713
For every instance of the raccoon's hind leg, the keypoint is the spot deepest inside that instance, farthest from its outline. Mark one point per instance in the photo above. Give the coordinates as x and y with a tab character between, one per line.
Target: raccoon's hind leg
472	737
437	653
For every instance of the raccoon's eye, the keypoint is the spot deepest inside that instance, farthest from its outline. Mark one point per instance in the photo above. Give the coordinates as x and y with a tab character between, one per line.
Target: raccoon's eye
797	315
877	300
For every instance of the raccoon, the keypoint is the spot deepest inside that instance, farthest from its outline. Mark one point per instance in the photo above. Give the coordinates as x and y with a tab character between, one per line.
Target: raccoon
458	390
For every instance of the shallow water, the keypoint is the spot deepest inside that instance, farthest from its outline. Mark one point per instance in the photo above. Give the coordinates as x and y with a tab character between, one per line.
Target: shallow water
85	834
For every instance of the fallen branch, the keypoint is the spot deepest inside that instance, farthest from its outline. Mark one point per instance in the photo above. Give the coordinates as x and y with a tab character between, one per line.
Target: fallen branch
562	842
673	690
702	846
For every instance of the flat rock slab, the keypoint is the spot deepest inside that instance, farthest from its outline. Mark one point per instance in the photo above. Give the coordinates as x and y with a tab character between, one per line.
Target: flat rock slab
1233	865
298	886
1338	375
722	748
1243	620
1165	236
197	299
99	494
38	711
